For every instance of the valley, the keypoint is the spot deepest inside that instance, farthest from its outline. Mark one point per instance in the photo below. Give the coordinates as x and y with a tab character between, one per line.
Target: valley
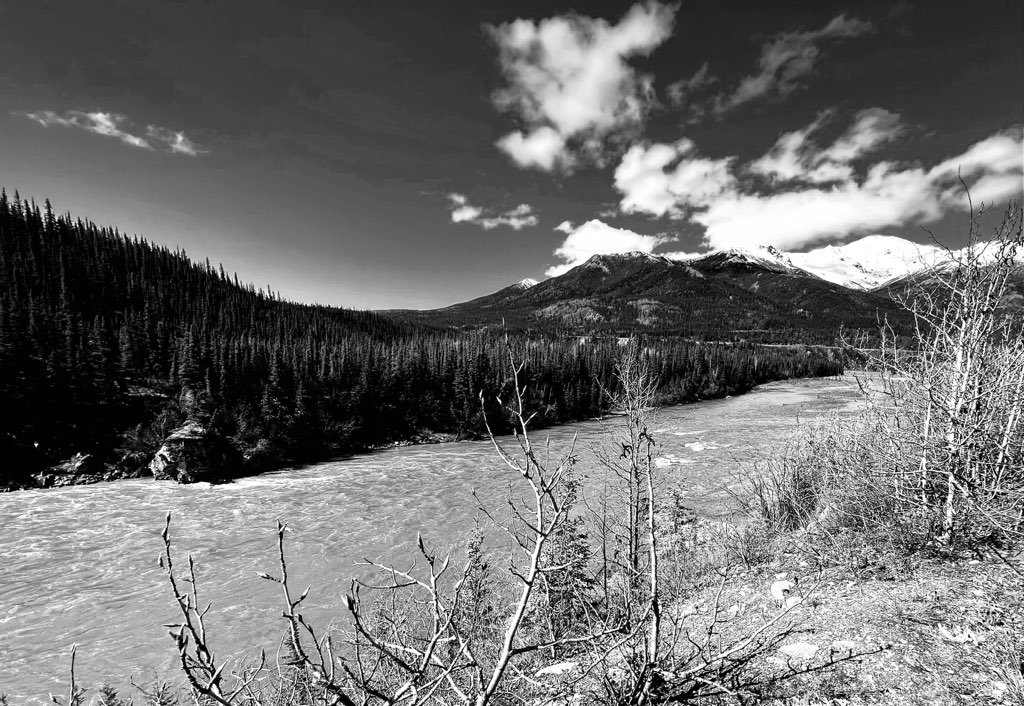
111	346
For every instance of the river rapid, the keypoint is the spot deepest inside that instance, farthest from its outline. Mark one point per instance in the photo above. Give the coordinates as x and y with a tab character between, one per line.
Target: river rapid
79	564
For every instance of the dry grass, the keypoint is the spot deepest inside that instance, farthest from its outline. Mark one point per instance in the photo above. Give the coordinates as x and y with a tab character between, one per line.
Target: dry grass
923	630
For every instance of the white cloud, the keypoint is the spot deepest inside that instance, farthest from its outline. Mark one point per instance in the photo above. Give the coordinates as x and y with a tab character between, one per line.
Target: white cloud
175	140
462	211
118	126
598	238
680	91
871	129
543	148
570	82
786	59
991	167
565	227
796	157
816	194
792	219
660	178
998	153
787	158
98	122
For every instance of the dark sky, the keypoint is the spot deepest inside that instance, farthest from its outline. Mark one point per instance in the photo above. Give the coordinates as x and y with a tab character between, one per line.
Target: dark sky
414	154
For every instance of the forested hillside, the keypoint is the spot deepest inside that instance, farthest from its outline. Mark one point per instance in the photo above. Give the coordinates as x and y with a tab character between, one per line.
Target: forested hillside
108	342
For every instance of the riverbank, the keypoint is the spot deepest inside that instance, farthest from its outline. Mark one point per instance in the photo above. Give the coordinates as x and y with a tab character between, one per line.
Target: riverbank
91	468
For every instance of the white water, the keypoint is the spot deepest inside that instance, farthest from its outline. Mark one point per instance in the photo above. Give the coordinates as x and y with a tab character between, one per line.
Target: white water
79	564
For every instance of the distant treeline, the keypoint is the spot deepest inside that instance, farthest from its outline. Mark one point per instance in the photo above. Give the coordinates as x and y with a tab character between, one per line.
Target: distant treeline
107	342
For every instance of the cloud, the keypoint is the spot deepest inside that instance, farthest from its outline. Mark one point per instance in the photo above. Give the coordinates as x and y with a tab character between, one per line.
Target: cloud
793	219
680	91
117	126
786	59
101	123
871	129
814	194
598	238
787	158
570	84
517	218
175	140
660	178
543	149
796	157
991	167
999	153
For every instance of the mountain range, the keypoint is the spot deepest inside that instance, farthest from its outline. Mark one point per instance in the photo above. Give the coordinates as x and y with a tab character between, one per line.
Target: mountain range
759	293
865	264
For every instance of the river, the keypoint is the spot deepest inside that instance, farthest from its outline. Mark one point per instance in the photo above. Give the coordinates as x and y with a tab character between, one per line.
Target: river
79	564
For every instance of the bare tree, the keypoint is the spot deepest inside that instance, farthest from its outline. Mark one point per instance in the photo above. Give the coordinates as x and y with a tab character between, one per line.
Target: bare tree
957	389
635	469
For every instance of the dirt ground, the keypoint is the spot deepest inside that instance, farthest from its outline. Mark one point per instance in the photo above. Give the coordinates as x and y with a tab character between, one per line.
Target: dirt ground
920	632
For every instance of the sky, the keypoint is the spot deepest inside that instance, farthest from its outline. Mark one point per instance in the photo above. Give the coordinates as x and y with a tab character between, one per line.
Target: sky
413	155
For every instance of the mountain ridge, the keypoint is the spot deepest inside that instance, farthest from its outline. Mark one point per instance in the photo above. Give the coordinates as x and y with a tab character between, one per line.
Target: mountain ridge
865	263
735	294
759	292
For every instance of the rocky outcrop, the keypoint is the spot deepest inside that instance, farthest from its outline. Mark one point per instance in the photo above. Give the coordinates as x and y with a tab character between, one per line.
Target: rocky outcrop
132	464
193	453
80	469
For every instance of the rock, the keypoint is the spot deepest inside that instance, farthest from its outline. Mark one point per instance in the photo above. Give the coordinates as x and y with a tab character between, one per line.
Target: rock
557	669
427	436
800	651
957	635
192	453
844	645
132	464
80	469
781	590
79	464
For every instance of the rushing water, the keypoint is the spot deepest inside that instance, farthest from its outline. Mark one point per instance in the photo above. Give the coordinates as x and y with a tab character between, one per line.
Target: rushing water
79	564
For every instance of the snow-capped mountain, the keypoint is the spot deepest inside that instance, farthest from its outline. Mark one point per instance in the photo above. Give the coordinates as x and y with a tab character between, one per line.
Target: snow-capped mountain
863	264
755	293
760	256
869	262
